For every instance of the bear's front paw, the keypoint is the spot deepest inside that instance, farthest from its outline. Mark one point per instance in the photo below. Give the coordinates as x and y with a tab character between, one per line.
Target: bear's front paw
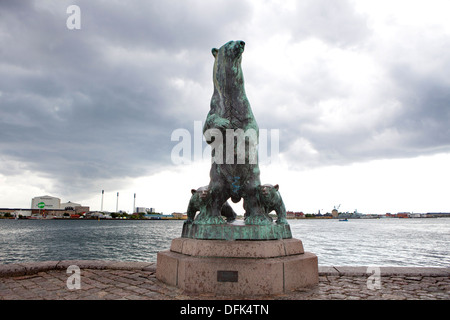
258	220
282	221
222	123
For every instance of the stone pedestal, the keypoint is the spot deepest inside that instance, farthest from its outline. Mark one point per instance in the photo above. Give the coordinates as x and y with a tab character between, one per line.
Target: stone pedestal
239	267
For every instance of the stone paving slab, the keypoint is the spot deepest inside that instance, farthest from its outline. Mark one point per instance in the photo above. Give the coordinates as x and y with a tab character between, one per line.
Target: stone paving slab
387	271
17	269
122	280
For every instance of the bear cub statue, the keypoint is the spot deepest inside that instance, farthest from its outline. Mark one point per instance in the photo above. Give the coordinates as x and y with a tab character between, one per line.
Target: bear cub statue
201	201
271	200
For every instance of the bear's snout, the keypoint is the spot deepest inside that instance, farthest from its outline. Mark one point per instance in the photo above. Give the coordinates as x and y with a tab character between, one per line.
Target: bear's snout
240	44
204	193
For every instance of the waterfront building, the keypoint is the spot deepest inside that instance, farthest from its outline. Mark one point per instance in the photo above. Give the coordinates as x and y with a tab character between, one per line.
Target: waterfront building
46	203
47	207
403	215
351	215
334	213
68	205
145	210
294	215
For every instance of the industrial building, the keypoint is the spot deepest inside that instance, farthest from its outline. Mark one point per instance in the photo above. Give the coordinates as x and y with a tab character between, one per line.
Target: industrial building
46	202
48	206
145	210
54	203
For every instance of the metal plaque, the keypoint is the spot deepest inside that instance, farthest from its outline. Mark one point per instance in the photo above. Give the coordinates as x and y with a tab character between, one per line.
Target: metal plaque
227	276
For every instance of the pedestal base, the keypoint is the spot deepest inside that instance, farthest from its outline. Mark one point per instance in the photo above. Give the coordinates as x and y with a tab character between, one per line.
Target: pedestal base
236	230
237	267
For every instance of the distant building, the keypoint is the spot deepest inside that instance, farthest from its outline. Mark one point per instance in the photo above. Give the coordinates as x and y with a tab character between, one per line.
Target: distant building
68	205
437	214
81	209
403	215
178	215
334	213
52	206
46	202
293	215
352	215
144	210
399	215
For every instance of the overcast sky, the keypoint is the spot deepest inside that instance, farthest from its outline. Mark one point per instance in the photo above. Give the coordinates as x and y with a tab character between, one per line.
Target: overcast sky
359	91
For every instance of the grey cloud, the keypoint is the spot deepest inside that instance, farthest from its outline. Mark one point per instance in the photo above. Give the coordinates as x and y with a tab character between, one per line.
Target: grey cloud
70	107
410	101
335	22
419	127
100	103
428	116
161	24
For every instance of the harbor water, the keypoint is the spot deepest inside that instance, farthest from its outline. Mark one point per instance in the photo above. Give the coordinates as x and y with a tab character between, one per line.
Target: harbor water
421	242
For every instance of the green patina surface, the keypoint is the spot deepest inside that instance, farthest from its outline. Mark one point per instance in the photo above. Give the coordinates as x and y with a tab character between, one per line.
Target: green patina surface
230	111
236	231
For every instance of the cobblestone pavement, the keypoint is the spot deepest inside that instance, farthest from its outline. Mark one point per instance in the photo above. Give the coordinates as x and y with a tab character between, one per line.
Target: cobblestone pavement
107	280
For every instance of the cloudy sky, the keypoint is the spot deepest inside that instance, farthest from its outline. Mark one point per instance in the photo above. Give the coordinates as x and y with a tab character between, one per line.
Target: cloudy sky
359	92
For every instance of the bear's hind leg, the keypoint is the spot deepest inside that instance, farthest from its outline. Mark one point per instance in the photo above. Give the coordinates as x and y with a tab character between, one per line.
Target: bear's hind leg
255	213
228	212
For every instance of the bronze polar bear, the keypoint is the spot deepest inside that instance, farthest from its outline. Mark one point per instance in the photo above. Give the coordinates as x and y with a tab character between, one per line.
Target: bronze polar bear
271	200
231	130
200	202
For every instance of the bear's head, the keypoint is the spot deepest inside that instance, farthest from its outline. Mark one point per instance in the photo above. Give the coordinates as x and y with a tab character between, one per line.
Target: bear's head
201	192
269	192
230	50
227	73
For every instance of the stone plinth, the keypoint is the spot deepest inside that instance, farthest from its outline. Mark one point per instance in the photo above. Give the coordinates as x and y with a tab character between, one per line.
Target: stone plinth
236	230
237	267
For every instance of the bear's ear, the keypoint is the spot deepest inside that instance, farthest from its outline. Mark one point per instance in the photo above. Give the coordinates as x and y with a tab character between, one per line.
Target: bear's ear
276	187
193	191
214	52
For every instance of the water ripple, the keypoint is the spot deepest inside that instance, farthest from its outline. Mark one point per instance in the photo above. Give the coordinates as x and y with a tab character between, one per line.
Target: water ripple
383	242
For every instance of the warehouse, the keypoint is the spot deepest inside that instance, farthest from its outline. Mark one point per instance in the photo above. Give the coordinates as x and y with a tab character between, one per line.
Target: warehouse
46	202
